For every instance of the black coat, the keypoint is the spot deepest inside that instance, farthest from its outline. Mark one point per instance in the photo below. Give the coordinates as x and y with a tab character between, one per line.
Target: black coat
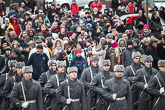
122	88
150	51
161	50
145	99
97	85
86	79
77	92
142	19
2	64
153	88
33	93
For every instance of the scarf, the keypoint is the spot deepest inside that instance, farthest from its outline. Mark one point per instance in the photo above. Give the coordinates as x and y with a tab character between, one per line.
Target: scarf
131	10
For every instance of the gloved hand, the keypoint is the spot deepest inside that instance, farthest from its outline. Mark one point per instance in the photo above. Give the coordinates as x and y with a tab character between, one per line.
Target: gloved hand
25	104
68	101
114	96
161	90
145	86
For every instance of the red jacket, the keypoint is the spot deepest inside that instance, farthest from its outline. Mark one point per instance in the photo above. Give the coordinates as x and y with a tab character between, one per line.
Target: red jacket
131	8
74	8
17	28
97	5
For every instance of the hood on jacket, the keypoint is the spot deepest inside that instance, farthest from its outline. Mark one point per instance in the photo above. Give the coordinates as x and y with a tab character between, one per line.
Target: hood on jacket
15	19
122	39
55	44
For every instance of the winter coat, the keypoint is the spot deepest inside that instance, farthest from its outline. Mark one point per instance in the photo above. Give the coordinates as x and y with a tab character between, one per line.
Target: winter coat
86	77
39	64
112	57
74	8
2	64
156	26
33	93
8	26
51	89
97	85
154	88
122	88
101	53
14	14
16	26
80	63
130	9
68	25
77	92
57	50
153	52
142	19
97	5
161	50
145	99
126	57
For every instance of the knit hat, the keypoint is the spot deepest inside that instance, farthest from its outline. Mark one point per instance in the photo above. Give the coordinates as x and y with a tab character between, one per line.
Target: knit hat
137	41
49	39
39	47
61	63
119	68
69	16
56	16
109	35
136	54
81	44
161	63
80	37
146	26
25	45
148	58
100	28
106	62
50	62
62	54
114	44
129	42
40	34
95	58
27	69
88	25
89	48
38	41
17	51
70	33
89	16
8	48
19	64
77	51
62	28
72	69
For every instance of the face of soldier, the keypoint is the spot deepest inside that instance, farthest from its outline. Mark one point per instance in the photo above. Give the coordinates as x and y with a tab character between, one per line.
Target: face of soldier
95	63
162	69
61	69
106	68
148	64
27	76
118	74
19	71
136	59
73	75
53	66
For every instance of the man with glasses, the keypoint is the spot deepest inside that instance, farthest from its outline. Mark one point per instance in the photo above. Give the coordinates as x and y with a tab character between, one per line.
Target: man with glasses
130	73
143	76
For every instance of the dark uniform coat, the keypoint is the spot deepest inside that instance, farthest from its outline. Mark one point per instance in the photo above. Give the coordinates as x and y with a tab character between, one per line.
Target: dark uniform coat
51	90
143	77
154	88
76	92
122	88
97	85
32	93
86	79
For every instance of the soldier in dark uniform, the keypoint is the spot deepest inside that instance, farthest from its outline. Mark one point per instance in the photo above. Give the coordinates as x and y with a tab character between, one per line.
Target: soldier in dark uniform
52	85
5	76
117	91
156	87
44	78
130	73
86	77
97	85
143	76
27	94
71	92
10	83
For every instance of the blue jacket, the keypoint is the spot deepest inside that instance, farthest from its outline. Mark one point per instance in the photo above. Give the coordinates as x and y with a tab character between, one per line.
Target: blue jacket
14	14
39	63
80	63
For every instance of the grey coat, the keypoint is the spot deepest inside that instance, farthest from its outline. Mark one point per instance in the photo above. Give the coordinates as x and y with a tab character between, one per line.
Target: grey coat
145	99
122	88
97	86
33	93
77	92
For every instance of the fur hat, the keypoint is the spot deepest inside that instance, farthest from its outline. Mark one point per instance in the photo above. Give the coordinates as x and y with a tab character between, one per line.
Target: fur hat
27	69
50	62
106	62
19	64
72	69
61	63
11	63
148	58
94	58
136	54
161	63
119	68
